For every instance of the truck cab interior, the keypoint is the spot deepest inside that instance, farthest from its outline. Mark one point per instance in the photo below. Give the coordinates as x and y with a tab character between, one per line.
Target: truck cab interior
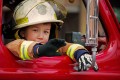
78	36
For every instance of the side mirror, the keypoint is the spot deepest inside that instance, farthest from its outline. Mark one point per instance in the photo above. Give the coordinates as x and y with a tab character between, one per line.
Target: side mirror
75	37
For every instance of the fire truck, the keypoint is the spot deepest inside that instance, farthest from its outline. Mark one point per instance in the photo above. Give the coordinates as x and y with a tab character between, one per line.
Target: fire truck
102	22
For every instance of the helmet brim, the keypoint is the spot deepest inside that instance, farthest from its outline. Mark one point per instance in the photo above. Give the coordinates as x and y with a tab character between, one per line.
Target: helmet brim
34	23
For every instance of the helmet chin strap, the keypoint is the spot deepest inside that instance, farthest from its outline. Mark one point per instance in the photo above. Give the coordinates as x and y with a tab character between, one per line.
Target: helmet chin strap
17	35
52	32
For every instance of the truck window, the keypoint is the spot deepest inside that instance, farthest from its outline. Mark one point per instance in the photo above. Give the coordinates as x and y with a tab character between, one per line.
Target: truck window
7	24
116	7
75	22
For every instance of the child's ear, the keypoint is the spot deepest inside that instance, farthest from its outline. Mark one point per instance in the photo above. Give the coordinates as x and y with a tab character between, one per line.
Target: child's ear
22	33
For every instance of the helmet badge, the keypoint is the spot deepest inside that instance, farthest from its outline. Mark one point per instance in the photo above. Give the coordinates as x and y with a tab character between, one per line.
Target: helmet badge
41	9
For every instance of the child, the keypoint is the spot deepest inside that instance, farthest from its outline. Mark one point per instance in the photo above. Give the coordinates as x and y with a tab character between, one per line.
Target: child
36	24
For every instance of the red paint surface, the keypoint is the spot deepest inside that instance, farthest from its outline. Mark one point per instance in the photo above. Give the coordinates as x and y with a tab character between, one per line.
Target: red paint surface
61	68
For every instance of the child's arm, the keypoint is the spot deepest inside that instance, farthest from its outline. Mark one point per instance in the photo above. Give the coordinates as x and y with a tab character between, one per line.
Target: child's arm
80	54
20	46
27	50
70	49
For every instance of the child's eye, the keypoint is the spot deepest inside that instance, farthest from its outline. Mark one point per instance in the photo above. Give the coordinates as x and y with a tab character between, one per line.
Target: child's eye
46	32
35	30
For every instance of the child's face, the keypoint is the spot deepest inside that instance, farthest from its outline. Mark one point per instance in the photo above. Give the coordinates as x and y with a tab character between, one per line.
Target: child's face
39	32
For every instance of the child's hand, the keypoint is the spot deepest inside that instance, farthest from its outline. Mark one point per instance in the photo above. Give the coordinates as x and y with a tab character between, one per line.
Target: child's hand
85	62
50	48
56	42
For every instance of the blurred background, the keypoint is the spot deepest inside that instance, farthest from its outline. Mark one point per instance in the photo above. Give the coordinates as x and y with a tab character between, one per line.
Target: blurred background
72	21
